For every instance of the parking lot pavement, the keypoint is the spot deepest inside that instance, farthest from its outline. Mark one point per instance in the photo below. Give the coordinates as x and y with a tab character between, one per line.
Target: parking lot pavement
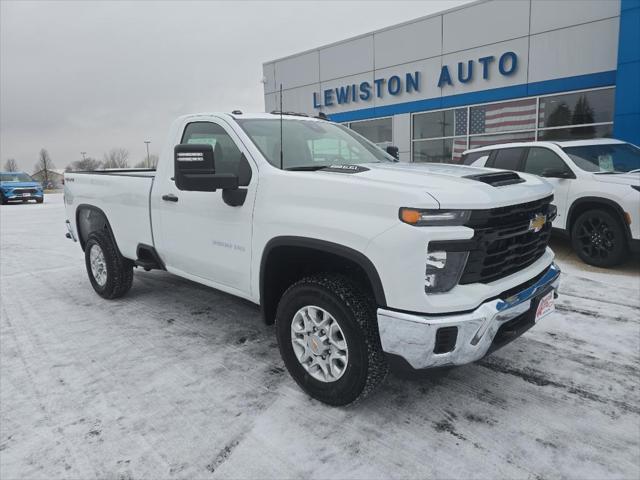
181	381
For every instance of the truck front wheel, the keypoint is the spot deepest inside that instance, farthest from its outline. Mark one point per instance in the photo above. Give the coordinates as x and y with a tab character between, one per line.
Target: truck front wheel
110	274
328	338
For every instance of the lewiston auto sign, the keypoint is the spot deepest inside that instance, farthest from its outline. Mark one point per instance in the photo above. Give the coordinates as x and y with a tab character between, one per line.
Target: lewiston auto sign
465	72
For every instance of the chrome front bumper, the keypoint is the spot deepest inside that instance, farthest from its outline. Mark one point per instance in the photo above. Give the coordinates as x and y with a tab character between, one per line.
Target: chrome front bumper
413	336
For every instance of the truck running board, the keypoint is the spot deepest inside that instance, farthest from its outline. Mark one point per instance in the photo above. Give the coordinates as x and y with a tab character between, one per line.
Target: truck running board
148	258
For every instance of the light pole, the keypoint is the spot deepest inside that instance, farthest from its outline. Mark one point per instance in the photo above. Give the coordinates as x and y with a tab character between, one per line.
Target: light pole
147	142
83	155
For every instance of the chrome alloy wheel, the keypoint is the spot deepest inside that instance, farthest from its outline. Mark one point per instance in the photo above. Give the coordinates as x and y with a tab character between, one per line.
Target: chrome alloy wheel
319	343
98	265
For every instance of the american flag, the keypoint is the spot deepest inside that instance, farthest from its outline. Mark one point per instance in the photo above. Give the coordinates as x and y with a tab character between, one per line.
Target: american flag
501	117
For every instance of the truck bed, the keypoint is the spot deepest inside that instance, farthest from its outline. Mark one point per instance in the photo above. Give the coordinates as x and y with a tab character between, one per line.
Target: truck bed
123	196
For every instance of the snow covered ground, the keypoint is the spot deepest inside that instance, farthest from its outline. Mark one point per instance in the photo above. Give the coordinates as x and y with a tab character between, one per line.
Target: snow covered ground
181	381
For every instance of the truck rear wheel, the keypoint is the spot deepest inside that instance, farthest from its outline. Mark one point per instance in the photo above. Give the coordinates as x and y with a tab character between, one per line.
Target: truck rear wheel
328	338
110	274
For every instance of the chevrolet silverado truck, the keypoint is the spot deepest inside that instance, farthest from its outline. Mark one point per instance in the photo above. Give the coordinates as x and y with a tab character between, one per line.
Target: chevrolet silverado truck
363	263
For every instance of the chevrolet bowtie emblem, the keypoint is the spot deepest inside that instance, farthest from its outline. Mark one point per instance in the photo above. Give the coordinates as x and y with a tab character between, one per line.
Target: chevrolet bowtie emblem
537	222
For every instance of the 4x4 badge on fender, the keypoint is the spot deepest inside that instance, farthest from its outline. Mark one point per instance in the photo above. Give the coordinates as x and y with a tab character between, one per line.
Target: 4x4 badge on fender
537	222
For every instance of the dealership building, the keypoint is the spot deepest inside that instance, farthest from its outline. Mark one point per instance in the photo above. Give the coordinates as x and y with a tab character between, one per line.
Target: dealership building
491	71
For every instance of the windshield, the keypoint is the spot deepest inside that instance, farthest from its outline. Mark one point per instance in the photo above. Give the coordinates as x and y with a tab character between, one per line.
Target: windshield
611	158
15	177
310	144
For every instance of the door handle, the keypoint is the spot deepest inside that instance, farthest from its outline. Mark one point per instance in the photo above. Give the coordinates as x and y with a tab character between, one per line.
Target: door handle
170	198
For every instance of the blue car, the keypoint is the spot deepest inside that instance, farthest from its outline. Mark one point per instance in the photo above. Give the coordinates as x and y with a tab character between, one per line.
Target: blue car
19	187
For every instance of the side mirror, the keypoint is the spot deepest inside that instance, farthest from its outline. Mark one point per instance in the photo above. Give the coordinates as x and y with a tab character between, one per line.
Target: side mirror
556	173
195	171
393	151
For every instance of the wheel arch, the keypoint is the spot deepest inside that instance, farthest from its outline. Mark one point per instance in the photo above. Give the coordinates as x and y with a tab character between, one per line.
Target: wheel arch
584	204
90	218
286	259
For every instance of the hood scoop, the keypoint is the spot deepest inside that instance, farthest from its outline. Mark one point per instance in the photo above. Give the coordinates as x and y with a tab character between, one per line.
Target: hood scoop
497	179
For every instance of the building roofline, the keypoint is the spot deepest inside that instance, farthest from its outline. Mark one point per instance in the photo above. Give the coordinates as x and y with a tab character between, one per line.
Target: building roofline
380	30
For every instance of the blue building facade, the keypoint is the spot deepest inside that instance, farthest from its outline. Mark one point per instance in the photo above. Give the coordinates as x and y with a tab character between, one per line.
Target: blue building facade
488	72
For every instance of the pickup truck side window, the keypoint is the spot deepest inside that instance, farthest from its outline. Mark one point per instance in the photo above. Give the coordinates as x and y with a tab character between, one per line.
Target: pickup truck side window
227	156
540	159
508	158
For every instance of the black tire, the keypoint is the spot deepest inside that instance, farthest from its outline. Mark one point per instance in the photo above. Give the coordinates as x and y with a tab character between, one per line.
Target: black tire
599	239
40	200
3	200
119	270
355	313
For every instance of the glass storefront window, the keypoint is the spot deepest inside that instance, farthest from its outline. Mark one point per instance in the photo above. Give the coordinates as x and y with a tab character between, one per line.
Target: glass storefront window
443	150
576	108
484	140
446	123
503	117
443	135
379	130
576	133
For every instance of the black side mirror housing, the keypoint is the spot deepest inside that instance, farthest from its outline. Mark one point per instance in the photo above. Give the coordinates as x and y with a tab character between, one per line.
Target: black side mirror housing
556	173
194	167
393	151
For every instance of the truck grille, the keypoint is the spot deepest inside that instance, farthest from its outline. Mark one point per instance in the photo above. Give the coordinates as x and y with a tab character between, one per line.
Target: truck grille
504	243
24	190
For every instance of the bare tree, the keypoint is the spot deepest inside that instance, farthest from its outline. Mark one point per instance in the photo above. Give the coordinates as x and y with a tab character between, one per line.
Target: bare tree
151	162
116	158
88	163
11	165
44	165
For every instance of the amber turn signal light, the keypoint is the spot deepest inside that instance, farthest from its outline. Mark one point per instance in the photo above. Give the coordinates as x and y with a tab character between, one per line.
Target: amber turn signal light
410	216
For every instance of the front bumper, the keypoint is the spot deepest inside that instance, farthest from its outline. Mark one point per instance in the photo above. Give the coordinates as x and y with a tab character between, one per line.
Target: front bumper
413	336
14	197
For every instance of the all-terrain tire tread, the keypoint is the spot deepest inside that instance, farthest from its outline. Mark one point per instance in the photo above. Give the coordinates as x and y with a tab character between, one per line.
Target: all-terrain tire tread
119	269
364	311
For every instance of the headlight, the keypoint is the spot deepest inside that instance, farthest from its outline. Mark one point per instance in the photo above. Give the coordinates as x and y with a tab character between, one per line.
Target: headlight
423	218
443	270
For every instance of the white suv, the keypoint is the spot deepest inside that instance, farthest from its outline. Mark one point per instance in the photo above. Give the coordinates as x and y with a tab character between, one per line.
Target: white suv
597	190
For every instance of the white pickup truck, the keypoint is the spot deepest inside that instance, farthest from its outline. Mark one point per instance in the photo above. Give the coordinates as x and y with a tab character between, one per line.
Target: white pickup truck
360	261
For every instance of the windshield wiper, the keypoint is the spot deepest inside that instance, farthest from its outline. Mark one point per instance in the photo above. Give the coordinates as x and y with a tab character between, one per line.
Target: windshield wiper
634	170
608	173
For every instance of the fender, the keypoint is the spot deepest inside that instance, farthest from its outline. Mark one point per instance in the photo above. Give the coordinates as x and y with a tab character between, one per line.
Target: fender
97	211
604	202
329	247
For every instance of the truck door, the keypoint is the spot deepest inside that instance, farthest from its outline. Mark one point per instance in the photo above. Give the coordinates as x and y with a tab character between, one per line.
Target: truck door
202	234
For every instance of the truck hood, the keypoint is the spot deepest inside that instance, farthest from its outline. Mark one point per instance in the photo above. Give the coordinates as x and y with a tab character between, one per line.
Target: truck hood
7	185
449	184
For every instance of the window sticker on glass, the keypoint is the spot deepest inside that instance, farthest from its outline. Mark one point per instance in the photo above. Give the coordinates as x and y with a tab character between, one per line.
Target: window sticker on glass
605	162
202	140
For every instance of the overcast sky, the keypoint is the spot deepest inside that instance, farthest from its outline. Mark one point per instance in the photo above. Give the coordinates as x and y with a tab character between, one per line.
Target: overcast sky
90	76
